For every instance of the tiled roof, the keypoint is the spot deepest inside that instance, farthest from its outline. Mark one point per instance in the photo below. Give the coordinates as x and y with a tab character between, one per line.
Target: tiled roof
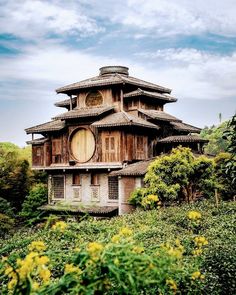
159	115
111	79
54	125
138	168
182	138
65	103
123	119
158	95
185	127
85	112
37	141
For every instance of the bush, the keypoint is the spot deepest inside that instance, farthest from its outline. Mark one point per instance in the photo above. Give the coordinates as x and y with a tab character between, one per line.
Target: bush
37	197
5	207
179	176
6	224
225	180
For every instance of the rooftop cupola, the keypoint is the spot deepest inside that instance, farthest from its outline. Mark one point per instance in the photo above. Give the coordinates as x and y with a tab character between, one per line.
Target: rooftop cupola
108	70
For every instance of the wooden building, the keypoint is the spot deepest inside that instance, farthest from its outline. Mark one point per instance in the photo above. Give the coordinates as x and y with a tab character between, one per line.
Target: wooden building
97	152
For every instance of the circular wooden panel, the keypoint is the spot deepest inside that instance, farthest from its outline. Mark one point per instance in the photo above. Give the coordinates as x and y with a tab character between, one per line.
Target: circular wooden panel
83	145
93	99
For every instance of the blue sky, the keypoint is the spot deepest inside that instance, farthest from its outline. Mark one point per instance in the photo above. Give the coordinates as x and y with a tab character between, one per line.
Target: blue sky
188	46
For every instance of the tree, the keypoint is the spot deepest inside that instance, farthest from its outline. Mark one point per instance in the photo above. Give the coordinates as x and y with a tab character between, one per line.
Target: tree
179	176
217	143
14	177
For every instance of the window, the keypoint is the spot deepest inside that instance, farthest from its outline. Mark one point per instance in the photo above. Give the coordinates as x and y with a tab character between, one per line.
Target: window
58	187
94	179
113	190
56	150
38	152
83	145
94	98
110	152
76	179
140	147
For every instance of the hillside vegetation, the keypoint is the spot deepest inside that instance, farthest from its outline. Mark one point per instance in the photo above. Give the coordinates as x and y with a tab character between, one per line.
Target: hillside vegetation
189	249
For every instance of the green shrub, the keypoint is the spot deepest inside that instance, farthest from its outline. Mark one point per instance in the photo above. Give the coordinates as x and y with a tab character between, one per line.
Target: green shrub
6	224
179	176
37	197
220	263
5	207
226	185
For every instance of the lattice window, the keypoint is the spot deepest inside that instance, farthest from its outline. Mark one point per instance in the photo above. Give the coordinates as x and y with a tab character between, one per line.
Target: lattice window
95	193
77	193
58	187
113	188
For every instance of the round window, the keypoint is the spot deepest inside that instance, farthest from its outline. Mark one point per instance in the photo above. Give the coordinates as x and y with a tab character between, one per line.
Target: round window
83	145
94	98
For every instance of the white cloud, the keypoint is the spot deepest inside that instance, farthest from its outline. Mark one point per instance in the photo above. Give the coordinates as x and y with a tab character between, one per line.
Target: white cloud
195	74
164	18
190	73
35	19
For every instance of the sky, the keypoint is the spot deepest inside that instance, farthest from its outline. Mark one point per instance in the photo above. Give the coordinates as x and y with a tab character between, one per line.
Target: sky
188	46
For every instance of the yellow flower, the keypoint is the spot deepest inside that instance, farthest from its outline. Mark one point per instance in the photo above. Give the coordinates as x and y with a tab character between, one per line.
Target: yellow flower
70	268
200	241
35	286
194	215
12	283
37	246
45	275
125	232
8	270
42	260
115	239
196	275
60	226
137	249
172	285
197	252
94	247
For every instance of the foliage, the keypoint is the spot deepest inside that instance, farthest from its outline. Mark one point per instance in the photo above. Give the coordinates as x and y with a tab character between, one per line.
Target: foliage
6	224
171	231
14	177
119	266
5	207
230	135
178	176
217	142
225	179
36	197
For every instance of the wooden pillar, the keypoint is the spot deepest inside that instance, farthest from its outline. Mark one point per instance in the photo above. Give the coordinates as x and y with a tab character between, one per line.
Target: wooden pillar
70	102
121	100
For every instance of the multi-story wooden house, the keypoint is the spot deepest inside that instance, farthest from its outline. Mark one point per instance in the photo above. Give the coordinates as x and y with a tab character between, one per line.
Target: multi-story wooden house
97	152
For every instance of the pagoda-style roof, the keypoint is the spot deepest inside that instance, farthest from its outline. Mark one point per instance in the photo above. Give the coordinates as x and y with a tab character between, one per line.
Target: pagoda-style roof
159	115
65	103
185	127
157	95
54	125
84	112
112	75
37	141
123	119
182	138
135	169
